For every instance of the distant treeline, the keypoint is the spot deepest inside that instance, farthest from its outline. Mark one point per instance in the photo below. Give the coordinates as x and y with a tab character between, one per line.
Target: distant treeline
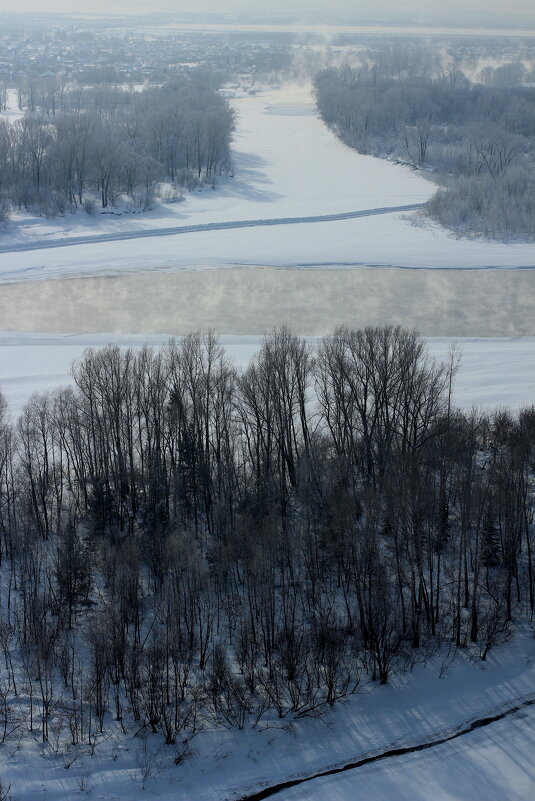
184	542
477	140
80	145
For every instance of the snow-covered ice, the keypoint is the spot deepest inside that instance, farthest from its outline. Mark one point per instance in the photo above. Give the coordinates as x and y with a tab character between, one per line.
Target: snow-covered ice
287	164
493	372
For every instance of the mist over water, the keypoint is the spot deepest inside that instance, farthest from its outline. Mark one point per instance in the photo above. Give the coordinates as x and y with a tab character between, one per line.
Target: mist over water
255	300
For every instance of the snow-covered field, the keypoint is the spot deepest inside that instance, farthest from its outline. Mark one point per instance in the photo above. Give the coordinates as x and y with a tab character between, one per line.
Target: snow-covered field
493	372
417	706
287	164
12	111
494	764
385	240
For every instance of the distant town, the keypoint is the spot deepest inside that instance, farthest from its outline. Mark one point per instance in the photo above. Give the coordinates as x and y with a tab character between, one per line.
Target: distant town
89	53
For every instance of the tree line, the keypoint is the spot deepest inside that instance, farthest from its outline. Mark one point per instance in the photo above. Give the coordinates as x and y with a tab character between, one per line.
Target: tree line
78	146
475	139
185	544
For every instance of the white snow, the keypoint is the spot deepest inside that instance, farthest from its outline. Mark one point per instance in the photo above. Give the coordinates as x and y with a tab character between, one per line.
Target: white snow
12	111
493	372
288	164
494	763
416	706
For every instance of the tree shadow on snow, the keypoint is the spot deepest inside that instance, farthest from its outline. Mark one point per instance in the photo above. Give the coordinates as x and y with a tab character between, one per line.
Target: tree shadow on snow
248	178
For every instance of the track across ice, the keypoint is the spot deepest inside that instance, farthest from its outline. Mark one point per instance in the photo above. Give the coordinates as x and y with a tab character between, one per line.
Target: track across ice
215	226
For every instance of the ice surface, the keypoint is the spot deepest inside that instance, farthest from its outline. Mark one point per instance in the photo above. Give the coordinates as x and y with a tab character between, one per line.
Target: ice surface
493	372
287	164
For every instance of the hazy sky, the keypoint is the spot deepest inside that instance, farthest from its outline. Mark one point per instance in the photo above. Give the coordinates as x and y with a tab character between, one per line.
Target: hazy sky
452	11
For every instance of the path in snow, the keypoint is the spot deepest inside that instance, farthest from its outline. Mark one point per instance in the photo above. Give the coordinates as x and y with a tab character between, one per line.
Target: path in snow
445	737
289	168
121	236
510	771
415	707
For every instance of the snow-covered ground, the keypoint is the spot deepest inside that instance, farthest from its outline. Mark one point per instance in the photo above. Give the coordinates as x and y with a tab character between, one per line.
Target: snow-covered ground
385	240
417	706
287	164
12	111
494	763
493	372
